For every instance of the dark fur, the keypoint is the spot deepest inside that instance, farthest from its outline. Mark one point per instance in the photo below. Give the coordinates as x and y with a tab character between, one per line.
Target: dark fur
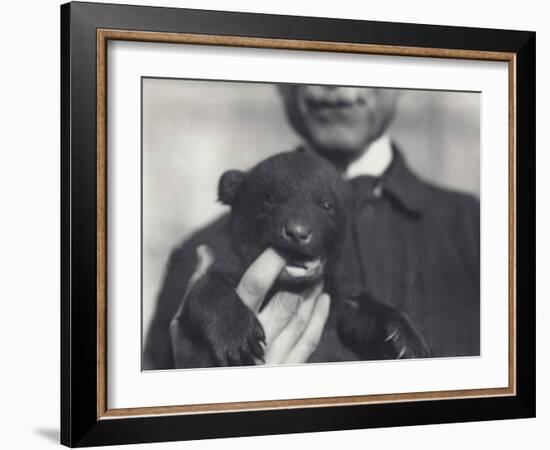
299	191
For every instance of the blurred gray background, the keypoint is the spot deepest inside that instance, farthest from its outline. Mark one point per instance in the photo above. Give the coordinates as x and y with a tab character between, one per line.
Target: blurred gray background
193	131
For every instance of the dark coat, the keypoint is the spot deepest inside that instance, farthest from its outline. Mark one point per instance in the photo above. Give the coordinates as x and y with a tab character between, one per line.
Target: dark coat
413	245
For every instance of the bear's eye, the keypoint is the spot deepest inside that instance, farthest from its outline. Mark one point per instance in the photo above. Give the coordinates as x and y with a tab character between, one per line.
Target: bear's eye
269	201
327	206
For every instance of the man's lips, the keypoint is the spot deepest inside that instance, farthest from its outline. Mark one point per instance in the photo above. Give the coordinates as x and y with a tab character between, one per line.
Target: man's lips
320	103
334	109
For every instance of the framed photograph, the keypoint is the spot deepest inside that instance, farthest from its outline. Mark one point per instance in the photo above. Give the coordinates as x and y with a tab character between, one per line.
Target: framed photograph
277	224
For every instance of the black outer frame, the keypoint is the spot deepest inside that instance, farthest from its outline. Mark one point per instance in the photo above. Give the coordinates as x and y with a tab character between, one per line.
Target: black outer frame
79	423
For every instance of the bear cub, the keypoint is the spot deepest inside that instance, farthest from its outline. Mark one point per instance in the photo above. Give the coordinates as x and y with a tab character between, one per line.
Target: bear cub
298	204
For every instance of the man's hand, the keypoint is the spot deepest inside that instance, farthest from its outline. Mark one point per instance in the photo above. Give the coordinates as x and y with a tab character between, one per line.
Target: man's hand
293	323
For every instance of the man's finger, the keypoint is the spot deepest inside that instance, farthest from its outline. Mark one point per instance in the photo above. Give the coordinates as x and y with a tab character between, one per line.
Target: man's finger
287	338
281	308
309	341
259	278
278	312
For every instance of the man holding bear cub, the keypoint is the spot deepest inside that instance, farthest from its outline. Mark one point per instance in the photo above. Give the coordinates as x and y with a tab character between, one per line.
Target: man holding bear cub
411	246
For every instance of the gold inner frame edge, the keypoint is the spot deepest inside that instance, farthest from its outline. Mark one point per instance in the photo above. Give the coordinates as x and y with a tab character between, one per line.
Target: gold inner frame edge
103	36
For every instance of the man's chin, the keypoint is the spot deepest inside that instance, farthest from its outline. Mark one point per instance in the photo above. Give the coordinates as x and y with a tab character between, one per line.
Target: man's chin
336	148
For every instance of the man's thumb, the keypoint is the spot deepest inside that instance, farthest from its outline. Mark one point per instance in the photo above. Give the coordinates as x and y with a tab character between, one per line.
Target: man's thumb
205	258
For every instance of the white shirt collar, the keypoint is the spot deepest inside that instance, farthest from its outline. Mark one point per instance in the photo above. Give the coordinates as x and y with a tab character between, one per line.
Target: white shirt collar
374	161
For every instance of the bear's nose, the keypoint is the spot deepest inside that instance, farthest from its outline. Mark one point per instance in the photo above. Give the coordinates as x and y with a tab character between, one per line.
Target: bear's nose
297	233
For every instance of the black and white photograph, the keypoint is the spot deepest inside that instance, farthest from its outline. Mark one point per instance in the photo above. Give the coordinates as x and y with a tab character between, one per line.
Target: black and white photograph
294	223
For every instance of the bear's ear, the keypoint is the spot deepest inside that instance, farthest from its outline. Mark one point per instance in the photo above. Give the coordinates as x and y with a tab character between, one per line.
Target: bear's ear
229	184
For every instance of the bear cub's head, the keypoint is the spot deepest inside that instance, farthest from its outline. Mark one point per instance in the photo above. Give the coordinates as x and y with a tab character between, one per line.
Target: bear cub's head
296	203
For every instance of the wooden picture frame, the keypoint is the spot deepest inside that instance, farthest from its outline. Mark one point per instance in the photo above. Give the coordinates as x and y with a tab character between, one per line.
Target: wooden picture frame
86	418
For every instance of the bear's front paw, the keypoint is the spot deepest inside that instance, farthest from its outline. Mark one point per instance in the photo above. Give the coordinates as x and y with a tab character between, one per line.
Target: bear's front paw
404	341
235	337
379	331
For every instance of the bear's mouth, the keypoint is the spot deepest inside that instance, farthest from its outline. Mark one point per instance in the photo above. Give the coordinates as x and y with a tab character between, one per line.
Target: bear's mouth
302	269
